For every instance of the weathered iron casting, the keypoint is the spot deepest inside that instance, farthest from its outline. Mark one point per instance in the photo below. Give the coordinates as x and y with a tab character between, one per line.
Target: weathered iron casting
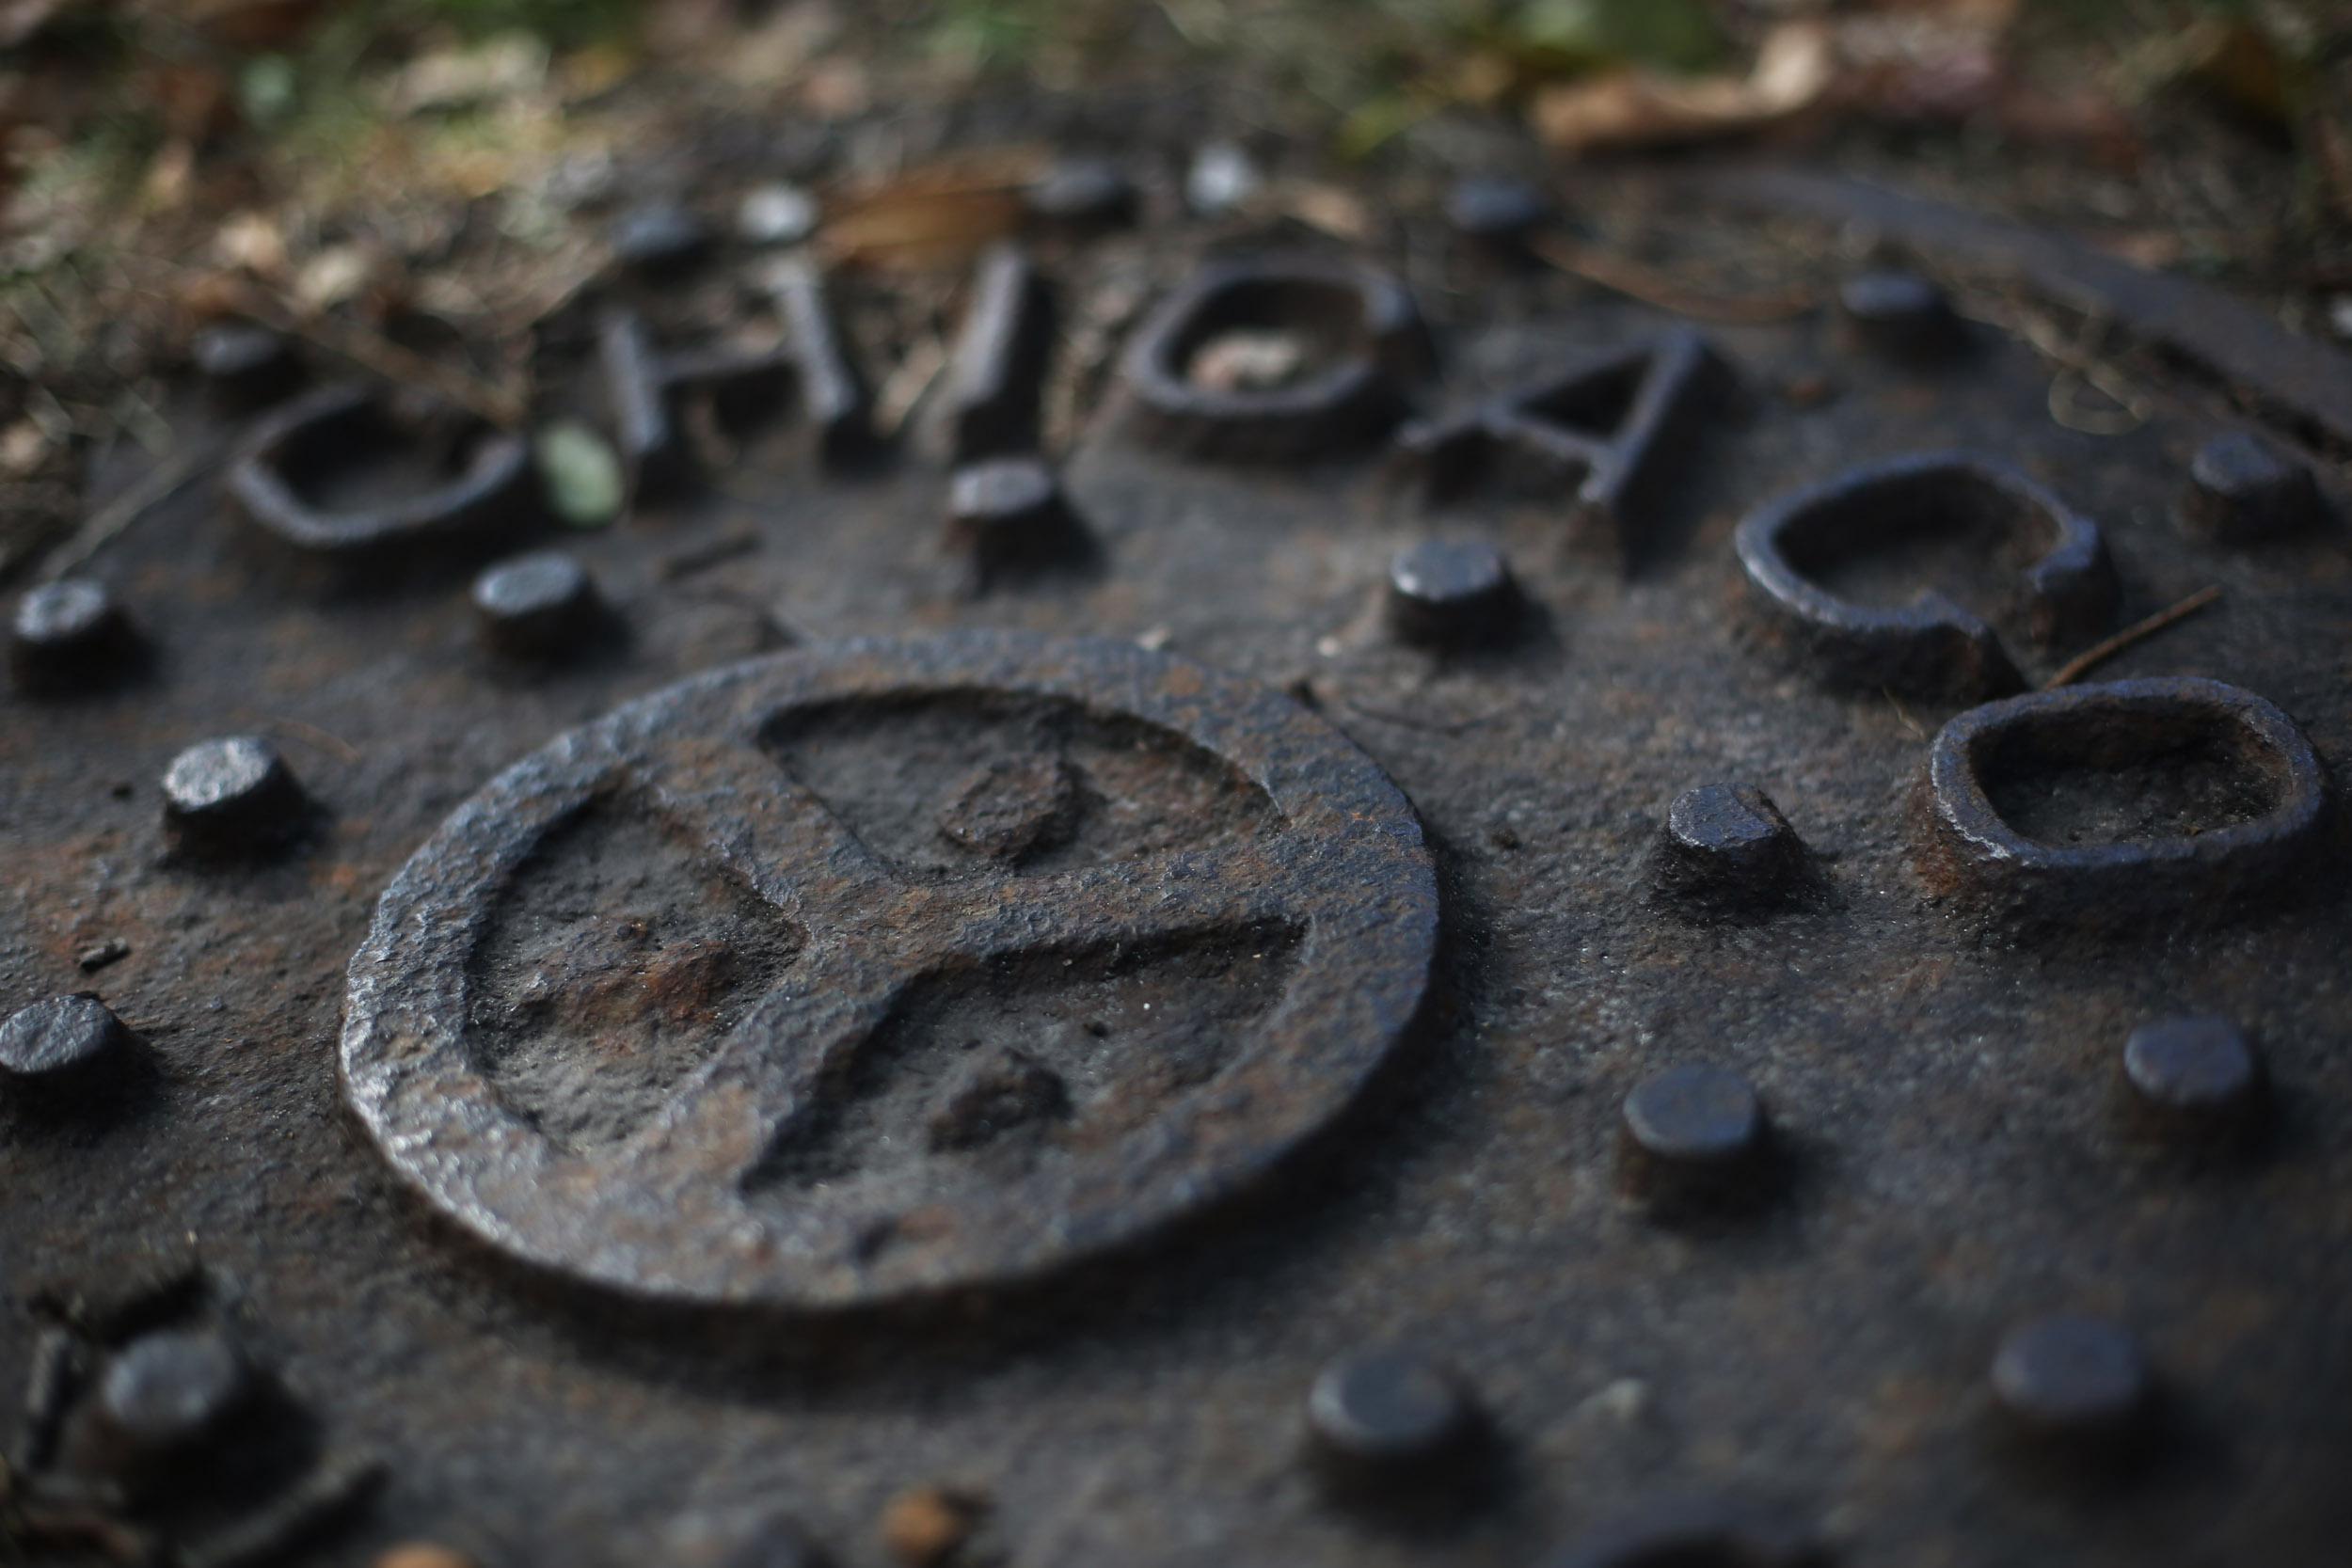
1268	1008
698	1203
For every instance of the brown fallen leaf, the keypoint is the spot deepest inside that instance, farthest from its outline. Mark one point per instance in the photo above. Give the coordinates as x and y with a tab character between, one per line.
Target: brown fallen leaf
2237	63
939	216
1794	67
1336	212
251	240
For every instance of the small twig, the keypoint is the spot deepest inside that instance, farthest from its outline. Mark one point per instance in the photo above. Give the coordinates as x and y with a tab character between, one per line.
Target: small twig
906	386
371	351
1630	277
324	741
2099	653
2078	366
152	489
1432	726
1902	713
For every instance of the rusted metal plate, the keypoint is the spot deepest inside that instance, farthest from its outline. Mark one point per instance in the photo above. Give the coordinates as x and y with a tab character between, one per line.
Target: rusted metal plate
1460	973
921	1071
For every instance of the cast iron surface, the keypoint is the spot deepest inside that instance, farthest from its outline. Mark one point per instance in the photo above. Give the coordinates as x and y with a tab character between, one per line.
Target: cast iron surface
1949	1148
811	1159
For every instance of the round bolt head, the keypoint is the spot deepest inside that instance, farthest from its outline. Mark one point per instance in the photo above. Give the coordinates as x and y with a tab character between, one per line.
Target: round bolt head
1009	512
1900	313
1090	194
658	239
1386	1416
1694	1115
2192	1074
2240	490
67	635
1222	178
776	214
1495	207
230	796
2072	1376
1693	1137
1451	593
535	605
63	1037
1727	846
169	1391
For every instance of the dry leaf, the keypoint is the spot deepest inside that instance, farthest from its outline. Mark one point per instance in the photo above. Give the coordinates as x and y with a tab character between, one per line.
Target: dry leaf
1336	212
503	67
23	447
166	186
1793	68
251	240
773	51
333	276
934	216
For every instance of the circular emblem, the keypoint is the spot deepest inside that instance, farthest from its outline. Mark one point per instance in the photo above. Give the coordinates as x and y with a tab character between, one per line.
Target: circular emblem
888	969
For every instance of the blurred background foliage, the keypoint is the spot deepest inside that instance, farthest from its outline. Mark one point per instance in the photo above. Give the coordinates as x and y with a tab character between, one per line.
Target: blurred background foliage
446	170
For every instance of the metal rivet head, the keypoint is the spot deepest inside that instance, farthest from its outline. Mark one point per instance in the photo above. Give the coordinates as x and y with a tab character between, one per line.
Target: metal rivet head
1693	1133
2192	1074
658	239
1900	313
1728	845
1083	194
1009	512
64	1038
2240	490
1222	178
535	605
232	795
1495	207
1450	594
776	216
2072	1376
1384	1417
169	1390
67	634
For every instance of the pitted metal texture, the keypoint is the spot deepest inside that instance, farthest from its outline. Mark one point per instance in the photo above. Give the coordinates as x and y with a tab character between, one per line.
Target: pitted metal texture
758	1179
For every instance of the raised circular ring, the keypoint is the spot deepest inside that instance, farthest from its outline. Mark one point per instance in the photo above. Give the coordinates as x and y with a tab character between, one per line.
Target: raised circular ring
675	1213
